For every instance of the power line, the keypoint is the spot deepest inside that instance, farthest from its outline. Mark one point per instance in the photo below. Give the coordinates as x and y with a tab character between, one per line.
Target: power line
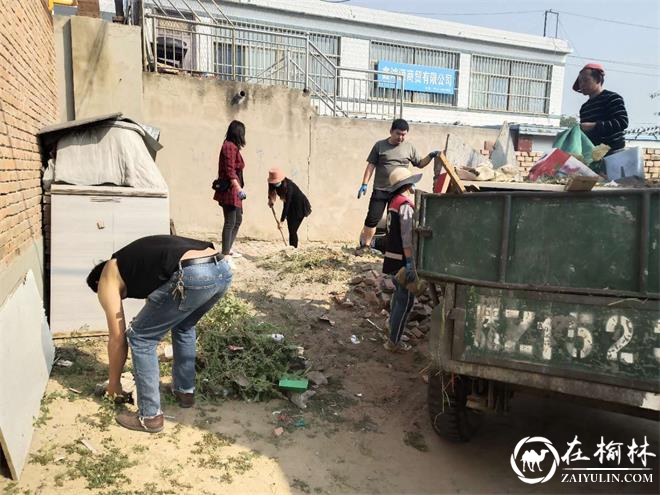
623	71
436	14
516	12
635	64
561	26
602	19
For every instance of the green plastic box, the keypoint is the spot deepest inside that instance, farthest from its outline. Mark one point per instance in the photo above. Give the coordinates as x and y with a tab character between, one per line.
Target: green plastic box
294	385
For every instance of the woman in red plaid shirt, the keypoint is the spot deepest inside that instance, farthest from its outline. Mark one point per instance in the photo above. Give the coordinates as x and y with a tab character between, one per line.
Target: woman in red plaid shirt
229	194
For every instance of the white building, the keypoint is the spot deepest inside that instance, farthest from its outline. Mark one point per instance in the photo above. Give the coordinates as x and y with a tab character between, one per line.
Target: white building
455	73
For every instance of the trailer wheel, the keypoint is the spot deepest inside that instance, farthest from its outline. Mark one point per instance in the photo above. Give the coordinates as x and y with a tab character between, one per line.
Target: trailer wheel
450	416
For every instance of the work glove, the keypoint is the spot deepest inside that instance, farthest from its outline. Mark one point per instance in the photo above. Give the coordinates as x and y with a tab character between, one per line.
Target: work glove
411	275
362	191
433	154
241	194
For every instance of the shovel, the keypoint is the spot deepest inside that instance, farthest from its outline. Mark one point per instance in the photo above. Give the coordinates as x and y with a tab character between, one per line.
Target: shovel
279	225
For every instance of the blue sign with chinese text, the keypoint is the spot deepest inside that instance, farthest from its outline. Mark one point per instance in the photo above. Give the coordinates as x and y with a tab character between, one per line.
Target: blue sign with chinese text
420	78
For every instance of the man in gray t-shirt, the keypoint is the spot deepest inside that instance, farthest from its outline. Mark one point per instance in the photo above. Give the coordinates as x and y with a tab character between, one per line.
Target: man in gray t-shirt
385	156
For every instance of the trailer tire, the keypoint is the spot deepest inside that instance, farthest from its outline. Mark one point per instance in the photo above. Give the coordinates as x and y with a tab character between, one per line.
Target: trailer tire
450	416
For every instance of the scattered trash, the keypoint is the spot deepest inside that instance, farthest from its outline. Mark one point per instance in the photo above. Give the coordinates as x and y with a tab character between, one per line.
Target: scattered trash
64	363
317	378
278	432
75	391
88	445
165	353
241	380
235	348
376	326
355	339
277	337
358	395
300	423
300	400
327	320
373	339
294	385
129	392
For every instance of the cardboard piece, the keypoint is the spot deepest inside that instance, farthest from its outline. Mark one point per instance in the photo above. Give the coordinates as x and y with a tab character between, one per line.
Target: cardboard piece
26	358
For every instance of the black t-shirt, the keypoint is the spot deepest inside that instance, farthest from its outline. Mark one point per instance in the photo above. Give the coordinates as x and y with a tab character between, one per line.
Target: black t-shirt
147	263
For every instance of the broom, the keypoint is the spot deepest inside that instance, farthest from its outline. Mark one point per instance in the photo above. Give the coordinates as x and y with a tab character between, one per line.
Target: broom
279	225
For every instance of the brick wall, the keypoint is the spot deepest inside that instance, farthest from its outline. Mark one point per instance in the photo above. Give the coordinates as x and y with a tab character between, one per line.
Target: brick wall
27	103
651	161
526	159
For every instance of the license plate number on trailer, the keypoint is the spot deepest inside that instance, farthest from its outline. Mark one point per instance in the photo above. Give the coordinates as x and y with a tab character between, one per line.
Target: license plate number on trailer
608	336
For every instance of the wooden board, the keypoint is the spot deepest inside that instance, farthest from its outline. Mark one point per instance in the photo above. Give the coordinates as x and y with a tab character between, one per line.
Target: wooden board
580	183
456	182
26	358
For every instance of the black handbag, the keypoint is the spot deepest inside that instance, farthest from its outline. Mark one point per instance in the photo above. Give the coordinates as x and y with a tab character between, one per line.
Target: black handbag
221	185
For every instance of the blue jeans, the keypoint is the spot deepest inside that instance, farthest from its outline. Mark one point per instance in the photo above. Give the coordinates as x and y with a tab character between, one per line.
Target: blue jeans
178	304
400	308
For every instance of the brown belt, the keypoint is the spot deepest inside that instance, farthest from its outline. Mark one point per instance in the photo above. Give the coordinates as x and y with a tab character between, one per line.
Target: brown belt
200	261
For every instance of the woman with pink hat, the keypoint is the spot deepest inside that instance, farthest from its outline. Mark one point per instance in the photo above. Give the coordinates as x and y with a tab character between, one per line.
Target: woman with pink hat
603	117
296	205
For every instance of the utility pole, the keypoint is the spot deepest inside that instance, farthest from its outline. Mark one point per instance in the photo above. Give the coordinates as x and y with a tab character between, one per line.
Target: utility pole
545	21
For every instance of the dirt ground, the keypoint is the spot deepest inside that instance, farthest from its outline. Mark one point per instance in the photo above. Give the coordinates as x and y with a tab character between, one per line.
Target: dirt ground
366	431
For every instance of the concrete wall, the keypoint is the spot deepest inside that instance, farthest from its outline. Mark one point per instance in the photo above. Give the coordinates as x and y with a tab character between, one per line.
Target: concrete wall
107	68
28	101
325	156
64	68
193	115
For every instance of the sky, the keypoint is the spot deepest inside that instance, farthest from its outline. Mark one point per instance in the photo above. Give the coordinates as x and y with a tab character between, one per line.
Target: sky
629	53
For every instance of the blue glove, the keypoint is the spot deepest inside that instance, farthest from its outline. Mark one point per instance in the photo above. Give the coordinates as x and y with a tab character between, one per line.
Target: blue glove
241	194
433	154
411	275
362	191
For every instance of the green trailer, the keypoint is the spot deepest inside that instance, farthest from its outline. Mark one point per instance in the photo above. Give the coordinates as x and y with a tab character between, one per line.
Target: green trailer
551	292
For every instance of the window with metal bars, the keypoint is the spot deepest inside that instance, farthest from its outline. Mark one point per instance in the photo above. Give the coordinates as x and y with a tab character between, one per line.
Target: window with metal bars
272	54
278	55
509	85
419	56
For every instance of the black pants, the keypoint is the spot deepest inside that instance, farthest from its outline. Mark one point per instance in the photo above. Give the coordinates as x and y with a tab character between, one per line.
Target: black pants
377	204
233	219
293	225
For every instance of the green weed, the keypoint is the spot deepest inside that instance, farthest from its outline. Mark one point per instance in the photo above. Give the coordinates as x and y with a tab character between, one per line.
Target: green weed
301	485
44	410
250	372
101	470
415	440
44	455
316	265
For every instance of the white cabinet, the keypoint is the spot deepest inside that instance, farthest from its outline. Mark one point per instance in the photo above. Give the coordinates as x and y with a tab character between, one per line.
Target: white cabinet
88	224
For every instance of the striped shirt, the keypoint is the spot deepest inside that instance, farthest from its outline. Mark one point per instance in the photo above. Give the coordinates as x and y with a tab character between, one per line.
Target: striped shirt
608	111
